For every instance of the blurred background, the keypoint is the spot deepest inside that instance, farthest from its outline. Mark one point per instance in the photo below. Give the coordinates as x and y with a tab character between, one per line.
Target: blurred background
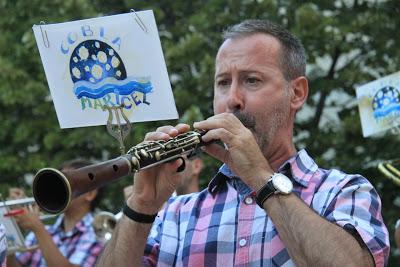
348	43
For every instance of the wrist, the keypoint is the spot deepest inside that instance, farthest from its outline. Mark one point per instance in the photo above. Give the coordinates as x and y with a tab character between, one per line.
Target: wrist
277	184
38	227
137	216
143	207
261	179
273	200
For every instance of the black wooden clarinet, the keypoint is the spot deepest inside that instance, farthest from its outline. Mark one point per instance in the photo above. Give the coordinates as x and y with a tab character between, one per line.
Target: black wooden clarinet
53	190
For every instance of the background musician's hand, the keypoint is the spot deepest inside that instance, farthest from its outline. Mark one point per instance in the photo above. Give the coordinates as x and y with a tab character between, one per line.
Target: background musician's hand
241	152
29	219
153	186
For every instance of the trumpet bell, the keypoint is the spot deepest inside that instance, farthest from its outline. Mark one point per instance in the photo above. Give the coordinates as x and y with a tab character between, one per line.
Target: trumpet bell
104	224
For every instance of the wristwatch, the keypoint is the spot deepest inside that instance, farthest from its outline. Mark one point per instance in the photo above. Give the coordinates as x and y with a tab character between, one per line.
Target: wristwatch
277	184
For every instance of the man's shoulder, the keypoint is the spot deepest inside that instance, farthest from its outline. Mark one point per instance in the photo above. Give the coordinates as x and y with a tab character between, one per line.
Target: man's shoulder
339	176
333	183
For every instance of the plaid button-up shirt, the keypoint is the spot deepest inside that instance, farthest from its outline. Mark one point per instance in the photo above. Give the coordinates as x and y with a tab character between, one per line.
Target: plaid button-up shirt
80	245
3	245
223	226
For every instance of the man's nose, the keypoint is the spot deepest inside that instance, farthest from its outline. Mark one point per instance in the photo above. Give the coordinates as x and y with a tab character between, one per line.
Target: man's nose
235	98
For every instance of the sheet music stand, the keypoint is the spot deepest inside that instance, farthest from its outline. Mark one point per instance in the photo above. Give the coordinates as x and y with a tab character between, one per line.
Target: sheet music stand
120	130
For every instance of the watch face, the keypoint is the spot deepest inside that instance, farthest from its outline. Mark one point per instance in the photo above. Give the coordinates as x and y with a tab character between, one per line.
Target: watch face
282	183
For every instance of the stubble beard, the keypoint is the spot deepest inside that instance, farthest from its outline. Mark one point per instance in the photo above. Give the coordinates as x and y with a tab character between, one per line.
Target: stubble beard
268	124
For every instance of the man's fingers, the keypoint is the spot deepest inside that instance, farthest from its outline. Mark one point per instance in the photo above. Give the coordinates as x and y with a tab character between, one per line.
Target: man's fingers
153	136
167	129
166	132
218	134
174	165
182	127
227	121
218	152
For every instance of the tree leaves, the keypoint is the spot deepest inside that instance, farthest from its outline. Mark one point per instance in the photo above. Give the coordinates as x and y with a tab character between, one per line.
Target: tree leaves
348	43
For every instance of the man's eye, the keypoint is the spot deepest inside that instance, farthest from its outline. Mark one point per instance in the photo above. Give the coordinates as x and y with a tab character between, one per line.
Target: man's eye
252	80
222	82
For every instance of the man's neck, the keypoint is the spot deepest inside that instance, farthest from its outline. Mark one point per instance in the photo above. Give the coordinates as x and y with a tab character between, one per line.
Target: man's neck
192	187
72	218
277	156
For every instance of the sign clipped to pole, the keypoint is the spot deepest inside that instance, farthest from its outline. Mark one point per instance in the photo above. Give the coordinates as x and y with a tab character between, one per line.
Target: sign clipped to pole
379	104
105	62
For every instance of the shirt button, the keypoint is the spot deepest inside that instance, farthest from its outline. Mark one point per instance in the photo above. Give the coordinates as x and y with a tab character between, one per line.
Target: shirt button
248	200
242	242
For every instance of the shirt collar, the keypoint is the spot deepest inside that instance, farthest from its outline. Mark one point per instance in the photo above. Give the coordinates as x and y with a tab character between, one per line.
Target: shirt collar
81	226
217	182
300	167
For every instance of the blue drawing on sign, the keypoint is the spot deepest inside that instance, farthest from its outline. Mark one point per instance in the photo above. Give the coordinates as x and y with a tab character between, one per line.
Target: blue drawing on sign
386	102
97	70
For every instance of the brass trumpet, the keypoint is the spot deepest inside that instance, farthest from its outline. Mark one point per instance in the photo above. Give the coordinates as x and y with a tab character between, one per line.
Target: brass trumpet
10	208
390	171
28	202
104	223
53	189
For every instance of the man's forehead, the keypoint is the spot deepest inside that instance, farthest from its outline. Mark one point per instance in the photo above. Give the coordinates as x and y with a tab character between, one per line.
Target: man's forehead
257	41
248	54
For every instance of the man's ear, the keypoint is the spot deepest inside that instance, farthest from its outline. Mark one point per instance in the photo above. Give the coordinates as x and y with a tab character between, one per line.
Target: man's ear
299	87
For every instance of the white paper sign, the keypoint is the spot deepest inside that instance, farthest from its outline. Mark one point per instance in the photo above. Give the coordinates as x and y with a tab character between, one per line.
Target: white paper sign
106	61
379	104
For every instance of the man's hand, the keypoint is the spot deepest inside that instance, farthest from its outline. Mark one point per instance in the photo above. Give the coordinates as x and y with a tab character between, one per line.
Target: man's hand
153	186
241	152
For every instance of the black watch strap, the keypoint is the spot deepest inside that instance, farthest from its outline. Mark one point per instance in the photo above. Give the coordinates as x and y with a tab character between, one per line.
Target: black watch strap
136	216
264	193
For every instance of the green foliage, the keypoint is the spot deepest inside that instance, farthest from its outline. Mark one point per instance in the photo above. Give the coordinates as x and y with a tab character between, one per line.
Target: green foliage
348	43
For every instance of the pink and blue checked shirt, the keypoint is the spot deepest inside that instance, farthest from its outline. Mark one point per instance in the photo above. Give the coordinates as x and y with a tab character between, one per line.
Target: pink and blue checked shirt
3	245
79	245
223	225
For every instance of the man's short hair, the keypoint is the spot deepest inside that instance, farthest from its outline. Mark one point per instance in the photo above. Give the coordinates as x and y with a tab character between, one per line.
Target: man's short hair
80	163
293	56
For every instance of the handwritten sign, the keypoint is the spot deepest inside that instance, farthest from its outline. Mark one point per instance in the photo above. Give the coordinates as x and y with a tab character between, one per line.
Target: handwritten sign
107	61
379	104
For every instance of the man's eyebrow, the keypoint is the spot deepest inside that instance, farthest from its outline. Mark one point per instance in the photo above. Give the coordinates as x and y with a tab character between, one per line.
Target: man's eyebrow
246	72
242	72
220	75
